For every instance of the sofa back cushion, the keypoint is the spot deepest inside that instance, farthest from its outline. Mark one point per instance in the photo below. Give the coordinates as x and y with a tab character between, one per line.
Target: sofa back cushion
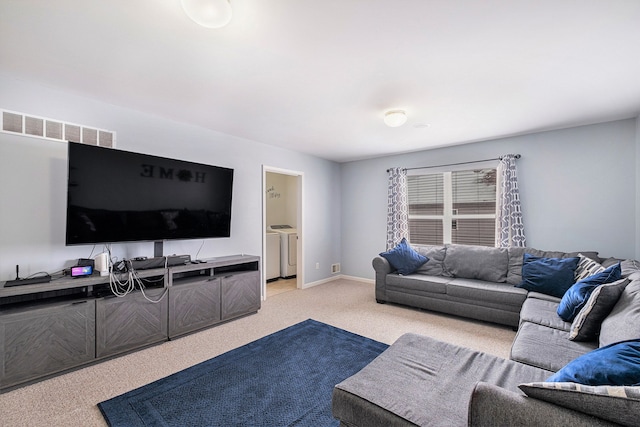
630	269
477	262
623	323
435	265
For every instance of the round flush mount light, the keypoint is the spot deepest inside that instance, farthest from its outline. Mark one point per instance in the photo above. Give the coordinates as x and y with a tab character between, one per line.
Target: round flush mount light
208	13
395	118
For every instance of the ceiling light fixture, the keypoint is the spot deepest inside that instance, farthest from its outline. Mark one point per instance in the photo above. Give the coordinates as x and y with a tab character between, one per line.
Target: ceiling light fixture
395	118
208	13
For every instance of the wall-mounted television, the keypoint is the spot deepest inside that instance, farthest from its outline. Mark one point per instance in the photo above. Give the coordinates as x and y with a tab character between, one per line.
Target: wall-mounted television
122	196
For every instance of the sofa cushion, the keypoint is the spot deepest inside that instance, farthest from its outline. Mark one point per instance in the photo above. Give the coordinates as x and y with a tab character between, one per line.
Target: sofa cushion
477	262
542	312
403	258
418	282
630	269
586	325
480	290
435	255
577	295
587	267
538	295
617	404
551	276
545	347
623	323
615	364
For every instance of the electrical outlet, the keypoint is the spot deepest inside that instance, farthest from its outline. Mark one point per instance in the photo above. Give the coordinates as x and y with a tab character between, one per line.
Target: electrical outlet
317	266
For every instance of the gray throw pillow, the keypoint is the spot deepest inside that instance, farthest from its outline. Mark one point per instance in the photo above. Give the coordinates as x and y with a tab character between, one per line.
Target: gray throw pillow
623	323
613	403
586	325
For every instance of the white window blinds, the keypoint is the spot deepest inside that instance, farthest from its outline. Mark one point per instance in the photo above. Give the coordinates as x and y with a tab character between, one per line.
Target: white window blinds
453	207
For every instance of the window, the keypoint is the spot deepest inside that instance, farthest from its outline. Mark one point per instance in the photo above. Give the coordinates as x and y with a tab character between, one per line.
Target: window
453	207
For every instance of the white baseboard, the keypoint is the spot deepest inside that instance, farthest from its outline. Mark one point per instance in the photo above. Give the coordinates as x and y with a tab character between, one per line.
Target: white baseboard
337	277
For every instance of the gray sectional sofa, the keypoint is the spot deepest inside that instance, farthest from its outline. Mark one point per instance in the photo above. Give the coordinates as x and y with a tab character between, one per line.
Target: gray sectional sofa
426	382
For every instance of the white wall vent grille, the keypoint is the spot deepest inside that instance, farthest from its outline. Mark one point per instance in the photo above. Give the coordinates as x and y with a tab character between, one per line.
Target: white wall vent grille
42	127
335	268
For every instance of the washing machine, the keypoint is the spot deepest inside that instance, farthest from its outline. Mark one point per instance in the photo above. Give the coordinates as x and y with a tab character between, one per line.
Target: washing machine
273	255
288	249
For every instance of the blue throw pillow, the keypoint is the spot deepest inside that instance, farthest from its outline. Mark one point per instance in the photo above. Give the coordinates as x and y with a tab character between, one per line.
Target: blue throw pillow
551	276
577	295
616	364
403	258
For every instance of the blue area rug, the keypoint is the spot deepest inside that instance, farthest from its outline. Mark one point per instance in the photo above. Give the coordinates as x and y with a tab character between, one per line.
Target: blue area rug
283	379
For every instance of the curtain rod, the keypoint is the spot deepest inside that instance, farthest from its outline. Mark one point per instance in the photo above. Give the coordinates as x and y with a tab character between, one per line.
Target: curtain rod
517	156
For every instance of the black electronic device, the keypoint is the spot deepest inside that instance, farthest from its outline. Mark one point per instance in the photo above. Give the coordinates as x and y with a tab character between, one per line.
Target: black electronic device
28	281
159	262
42	278
86	262
121	196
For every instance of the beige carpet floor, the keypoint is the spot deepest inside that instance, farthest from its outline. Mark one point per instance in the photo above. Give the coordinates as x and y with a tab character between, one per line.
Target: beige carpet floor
71	399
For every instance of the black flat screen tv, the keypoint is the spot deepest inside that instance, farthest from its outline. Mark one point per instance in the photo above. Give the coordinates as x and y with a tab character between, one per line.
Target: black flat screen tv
121	196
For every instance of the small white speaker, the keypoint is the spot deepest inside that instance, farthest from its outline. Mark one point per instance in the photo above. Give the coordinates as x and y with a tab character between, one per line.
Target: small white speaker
102	263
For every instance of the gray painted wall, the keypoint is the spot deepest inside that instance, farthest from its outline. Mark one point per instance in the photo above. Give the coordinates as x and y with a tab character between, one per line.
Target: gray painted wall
33	184
577	187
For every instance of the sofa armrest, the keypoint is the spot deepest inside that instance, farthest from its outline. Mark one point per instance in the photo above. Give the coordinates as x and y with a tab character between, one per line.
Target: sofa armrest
381	265
382	268
491	405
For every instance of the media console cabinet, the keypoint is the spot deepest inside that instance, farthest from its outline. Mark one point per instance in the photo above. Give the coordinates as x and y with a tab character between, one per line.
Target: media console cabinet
50	328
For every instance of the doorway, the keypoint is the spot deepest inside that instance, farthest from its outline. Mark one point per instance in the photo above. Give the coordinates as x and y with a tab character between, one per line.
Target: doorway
282	227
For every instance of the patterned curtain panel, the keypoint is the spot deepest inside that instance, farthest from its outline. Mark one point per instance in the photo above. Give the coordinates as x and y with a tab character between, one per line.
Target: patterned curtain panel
509	226
397	209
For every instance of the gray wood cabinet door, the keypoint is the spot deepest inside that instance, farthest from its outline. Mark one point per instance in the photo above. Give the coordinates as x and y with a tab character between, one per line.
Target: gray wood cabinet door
130	322
240	294
193	305
43	340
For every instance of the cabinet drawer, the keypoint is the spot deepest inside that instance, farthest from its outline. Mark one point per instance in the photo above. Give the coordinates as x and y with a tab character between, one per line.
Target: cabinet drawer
240	293
194	306
130	322
45	340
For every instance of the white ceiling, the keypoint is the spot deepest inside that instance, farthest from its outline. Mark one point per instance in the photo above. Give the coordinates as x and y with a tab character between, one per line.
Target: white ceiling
317	76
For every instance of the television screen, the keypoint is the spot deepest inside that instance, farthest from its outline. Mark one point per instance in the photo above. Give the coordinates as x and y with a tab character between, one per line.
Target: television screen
121	196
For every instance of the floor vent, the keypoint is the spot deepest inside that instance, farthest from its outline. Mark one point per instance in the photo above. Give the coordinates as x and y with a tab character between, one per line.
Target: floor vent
42	127
335	268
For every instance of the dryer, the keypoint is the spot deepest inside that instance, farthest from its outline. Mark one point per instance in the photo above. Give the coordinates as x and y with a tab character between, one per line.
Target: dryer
273	255
288	249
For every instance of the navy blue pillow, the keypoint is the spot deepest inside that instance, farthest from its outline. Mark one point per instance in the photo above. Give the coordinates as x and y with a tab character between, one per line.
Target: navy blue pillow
616	364
551	276
577	295
403	258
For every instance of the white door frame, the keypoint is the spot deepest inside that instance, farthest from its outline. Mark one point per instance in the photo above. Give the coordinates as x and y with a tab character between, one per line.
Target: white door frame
299	225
